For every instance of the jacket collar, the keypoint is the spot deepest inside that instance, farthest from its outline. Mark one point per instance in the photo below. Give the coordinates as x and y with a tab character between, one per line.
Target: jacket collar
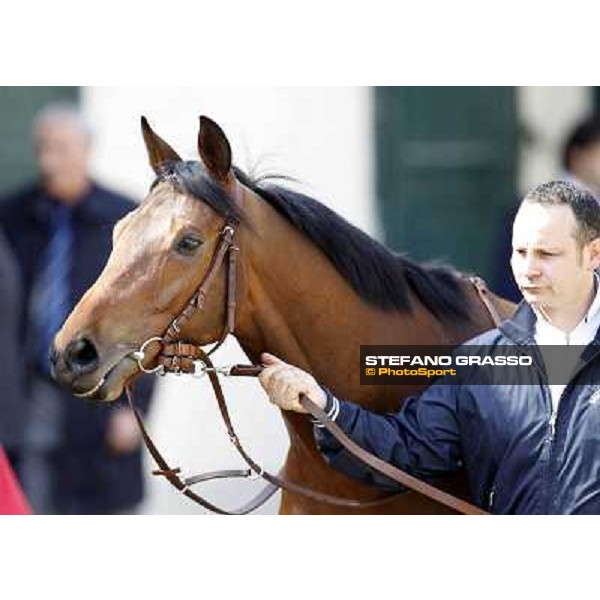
520	328
91	209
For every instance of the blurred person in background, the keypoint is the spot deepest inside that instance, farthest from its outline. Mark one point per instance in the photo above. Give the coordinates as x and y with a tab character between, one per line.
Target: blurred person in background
12	406
581	155
76	458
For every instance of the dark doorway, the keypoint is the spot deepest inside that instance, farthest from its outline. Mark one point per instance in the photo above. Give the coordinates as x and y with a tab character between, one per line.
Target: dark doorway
446	168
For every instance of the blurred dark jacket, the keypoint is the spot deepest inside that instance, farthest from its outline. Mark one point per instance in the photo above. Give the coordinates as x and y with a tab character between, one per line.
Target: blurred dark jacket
13	404
98	480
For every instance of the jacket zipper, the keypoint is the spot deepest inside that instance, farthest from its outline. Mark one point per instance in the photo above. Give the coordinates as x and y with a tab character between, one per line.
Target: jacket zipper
550	441
491	496
551	433
552	424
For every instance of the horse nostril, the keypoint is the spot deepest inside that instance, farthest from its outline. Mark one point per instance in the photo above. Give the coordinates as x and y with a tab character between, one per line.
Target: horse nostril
81	356
53	355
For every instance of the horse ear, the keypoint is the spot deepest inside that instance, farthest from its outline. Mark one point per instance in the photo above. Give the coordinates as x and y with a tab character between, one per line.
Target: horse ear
214	149
159	152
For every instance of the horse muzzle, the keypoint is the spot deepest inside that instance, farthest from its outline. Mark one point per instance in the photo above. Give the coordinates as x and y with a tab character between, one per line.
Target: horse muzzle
79	368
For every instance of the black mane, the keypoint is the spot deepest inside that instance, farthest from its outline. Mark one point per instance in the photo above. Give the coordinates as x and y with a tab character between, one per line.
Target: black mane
380	277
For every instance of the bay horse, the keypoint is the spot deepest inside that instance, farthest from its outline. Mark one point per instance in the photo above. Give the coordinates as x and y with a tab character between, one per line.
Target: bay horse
310	288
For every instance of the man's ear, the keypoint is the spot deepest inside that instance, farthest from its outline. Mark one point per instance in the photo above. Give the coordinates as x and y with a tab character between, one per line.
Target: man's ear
594	253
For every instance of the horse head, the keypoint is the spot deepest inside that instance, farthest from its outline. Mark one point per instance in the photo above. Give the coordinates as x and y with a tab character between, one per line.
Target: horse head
161	253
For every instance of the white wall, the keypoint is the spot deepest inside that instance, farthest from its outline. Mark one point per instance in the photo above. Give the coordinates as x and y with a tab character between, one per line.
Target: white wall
321	136
548	114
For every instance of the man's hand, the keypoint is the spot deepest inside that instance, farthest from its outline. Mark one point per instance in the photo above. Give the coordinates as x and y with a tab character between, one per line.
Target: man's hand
123	435
284	383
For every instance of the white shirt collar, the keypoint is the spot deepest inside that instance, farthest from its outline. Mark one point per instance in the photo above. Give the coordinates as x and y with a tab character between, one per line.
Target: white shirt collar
585	331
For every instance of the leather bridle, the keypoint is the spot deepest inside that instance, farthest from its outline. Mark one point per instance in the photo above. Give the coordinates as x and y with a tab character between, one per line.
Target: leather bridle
179	357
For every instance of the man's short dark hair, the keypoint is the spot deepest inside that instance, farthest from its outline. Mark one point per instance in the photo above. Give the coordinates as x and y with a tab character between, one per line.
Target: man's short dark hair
586	134
583	204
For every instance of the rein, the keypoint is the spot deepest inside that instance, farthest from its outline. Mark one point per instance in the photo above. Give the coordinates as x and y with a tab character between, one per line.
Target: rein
181	357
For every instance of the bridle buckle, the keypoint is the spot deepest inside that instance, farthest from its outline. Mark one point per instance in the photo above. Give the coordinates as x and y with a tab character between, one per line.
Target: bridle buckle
202	370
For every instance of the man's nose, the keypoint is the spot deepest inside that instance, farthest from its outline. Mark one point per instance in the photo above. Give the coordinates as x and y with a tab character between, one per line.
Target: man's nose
531	267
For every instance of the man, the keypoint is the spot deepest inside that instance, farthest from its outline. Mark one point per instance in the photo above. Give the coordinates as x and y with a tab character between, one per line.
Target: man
527	448
78	459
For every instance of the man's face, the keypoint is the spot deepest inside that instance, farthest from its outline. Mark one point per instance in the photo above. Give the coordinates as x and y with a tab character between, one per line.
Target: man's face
62	154
551	270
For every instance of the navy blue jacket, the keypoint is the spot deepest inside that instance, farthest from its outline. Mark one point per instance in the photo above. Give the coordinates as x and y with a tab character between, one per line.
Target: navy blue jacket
87	471
515	460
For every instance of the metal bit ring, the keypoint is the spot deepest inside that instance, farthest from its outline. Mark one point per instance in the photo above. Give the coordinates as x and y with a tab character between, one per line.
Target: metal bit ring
140	354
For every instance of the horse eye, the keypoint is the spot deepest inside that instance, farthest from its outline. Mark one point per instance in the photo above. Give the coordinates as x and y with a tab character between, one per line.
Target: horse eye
188	245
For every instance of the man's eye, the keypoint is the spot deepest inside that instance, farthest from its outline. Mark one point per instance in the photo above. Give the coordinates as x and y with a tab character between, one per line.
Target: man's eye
188	245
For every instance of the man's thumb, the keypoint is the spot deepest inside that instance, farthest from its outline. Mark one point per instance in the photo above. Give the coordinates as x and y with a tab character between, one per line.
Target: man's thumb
269	359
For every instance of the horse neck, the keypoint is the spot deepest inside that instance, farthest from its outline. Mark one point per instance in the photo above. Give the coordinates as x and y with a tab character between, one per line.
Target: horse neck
297	306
